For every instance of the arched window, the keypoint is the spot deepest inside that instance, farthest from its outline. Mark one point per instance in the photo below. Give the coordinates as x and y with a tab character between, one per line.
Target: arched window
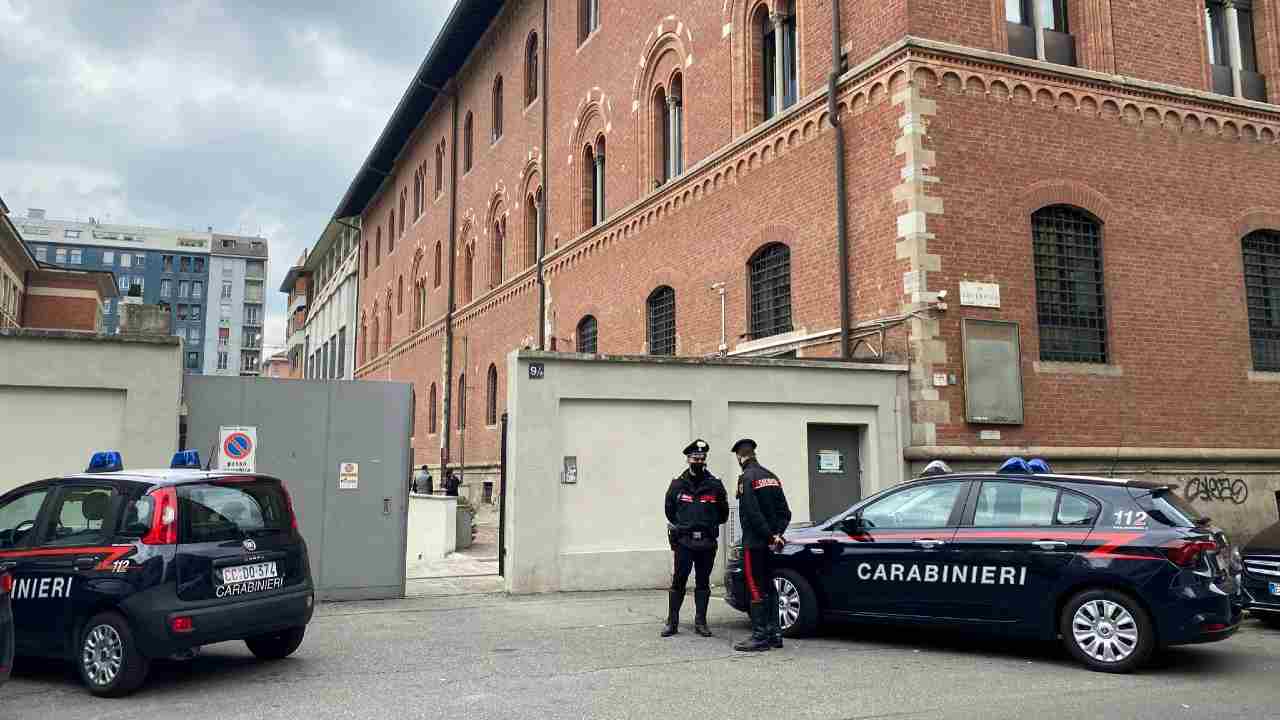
462	401
1070	301
400	296
466	143
439	167
418	182
531	69
770	270
497	110
499	247
587	335
386	338
391	229
375	335
366	260
491	409
774	41
531	205
377	248
1262	295
404	197
593	177
364	339
468	276
436	279
661	308
588	18
431	410
668	116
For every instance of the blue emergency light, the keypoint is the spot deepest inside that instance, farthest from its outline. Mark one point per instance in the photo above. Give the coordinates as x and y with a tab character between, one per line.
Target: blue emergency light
186	460
102	462
1014	466
1039	466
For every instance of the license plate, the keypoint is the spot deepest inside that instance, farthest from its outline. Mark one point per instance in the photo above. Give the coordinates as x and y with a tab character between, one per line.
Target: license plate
1274	588
245	573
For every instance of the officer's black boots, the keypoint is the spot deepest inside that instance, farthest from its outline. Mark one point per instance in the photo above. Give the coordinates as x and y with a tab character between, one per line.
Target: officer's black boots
775	622
700	600
759	640
674	601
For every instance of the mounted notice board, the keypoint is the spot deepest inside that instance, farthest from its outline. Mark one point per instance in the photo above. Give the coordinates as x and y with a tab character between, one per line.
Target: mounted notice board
992	372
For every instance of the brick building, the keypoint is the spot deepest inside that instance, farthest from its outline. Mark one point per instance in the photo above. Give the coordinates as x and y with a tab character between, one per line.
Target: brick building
1091	183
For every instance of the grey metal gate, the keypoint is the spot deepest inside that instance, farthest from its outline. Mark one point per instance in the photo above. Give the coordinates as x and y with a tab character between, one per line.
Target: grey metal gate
356	536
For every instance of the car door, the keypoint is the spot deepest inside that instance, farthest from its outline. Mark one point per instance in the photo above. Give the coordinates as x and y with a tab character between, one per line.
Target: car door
1013	547
70	550
20	521
890	566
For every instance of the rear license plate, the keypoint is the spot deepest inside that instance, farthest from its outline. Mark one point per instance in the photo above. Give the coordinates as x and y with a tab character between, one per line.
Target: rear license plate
1274	588
245	573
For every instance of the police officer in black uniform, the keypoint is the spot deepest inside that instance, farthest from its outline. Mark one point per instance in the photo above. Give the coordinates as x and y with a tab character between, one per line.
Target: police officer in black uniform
696	506
764	515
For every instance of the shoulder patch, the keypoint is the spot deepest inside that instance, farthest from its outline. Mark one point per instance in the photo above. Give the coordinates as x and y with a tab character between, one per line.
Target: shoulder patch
765	482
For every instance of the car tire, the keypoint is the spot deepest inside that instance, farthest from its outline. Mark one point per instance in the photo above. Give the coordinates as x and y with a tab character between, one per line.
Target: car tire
796	595
1107	631
277	645
107	657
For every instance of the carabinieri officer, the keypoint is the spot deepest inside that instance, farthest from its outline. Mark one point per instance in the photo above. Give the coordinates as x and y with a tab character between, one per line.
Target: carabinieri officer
696	507
764	514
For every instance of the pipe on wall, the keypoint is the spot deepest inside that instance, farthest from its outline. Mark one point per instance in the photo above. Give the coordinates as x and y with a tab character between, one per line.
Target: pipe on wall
842	209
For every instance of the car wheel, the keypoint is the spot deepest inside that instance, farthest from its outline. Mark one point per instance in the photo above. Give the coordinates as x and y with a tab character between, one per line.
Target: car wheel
274	646
797	604
1107	630
109	662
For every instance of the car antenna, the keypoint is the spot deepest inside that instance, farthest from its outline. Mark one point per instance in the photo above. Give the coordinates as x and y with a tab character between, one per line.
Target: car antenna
209	462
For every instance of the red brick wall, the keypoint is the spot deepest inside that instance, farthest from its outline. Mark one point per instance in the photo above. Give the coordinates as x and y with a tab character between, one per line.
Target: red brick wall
47	312
1161	41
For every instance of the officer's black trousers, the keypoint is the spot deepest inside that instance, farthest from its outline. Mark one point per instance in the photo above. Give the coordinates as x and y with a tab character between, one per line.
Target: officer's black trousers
757	566
700	561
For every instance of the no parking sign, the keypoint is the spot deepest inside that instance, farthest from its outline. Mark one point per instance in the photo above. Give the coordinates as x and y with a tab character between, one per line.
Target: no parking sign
238	449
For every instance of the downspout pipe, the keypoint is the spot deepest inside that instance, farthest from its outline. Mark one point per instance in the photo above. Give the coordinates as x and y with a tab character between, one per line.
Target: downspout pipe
541	240
448	318
842	197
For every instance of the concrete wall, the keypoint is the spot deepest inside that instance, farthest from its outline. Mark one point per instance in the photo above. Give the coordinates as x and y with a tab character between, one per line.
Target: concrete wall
433	527
66	395
626	421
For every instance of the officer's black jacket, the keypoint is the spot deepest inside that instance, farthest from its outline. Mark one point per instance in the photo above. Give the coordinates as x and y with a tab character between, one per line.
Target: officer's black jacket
697	502
762	506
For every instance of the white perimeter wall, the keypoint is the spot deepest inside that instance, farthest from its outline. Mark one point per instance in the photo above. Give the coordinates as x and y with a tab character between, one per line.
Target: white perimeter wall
626	421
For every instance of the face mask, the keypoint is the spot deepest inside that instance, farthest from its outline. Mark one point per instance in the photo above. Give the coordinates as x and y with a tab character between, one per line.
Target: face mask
697	468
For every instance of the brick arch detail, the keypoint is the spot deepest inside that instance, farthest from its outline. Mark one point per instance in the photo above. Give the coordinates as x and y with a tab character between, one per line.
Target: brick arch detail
1067	192
1255	219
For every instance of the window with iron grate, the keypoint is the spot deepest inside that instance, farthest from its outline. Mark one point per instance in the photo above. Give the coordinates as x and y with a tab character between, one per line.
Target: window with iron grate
662	321
1262	295
587	335
1070	300
771	291
431	410
491	407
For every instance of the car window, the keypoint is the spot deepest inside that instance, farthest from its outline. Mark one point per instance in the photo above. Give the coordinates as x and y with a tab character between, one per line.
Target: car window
18	517
927	506
80	517
1077	510
1009	504
216	513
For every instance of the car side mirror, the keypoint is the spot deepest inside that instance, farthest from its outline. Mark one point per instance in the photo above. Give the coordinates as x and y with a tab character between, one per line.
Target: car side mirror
853	525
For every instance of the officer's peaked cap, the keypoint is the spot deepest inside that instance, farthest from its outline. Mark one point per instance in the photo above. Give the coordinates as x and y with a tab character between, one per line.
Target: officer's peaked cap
744	444
696	447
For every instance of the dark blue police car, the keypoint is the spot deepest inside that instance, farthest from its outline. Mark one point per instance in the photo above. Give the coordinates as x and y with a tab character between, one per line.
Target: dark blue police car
112	569
6	627
1115	568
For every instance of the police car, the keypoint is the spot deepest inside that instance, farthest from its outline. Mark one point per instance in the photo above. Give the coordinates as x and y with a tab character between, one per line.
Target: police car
112	569
1115	568
6	627
1262	575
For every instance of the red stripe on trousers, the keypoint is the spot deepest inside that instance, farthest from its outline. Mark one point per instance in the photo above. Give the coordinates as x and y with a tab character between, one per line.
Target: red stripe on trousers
751	579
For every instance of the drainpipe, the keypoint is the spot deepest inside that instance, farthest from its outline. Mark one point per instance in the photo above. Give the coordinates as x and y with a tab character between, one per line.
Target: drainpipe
542	205
842	209
448	318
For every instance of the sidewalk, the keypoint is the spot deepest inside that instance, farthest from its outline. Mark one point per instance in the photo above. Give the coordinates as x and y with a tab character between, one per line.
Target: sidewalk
468	571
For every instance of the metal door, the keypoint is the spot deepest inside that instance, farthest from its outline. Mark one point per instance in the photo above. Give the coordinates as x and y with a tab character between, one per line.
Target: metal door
835	478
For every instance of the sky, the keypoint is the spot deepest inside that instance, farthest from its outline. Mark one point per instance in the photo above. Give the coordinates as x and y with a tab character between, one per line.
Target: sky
250	116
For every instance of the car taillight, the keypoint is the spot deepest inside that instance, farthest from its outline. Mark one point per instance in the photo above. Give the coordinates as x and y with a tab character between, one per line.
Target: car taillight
6	583
1186	553
164	518
182	624
288	502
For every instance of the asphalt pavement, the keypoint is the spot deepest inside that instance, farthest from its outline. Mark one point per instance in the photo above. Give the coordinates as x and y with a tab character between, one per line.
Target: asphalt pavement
599	656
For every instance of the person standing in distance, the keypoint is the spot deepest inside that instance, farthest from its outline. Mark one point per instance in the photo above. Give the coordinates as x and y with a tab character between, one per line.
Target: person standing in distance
696	506
764	515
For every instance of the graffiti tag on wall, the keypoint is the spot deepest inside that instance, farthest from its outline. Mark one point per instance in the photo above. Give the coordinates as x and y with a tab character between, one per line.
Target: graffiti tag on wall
1216	489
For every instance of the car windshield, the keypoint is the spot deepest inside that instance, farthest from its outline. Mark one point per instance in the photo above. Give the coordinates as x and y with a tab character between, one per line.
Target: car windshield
215	513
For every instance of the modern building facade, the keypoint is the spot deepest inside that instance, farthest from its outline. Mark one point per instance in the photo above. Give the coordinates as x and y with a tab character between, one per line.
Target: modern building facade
1020	200
296	286
234	323
164	266
331	270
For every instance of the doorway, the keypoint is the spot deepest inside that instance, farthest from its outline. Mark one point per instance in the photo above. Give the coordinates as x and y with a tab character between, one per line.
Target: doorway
835	474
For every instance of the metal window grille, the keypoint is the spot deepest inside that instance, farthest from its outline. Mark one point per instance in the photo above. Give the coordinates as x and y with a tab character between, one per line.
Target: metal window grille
587	335
662	321
491	414
462	401
431	410
771	292
1262	293
1069	292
